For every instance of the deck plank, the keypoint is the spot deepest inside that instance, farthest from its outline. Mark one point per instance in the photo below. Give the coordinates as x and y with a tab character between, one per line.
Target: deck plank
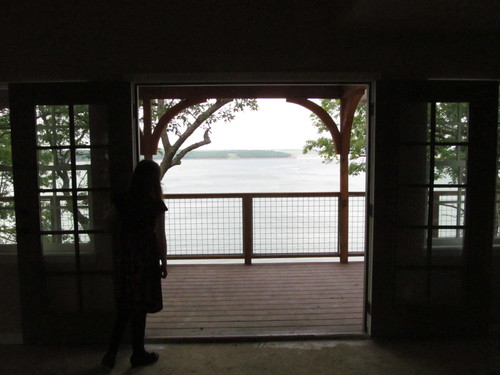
262	300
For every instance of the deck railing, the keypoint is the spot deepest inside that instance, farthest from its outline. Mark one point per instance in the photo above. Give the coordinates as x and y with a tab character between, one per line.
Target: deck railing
260	225
256	225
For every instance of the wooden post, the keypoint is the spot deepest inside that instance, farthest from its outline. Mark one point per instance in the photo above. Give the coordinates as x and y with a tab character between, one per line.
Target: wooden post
345	136
344	207
348	105
247	208
145	143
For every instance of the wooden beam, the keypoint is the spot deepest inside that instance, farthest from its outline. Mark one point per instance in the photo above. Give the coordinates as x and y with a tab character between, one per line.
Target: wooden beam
242	91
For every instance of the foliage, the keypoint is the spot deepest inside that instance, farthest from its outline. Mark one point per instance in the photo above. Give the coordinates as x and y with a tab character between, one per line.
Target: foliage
7	225
324	145
197	117
201	113
451	127
54	163
53	134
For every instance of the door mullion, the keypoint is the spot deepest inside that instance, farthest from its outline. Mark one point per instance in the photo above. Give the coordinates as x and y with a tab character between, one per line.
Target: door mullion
430	207
74	199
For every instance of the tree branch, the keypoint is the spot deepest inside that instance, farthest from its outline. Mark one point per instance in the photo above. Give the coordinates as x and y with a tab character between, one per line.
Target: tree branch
206	140
169	153
200	120
165	140
171	158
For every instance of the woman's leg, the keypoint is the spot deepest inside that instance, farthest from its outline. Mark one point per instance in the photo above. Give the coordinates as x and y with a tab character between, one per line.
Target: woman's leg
140	356
121	319
138	329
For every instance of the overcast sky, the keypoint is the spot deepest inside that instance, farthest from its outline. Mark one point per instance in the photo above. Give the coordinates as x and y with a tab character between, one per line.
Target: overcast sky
276	125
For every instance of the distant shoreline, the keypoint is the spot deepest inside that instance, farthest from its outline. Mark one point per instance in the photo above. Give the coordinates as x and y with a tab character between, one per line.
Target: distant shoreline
238	154
243	158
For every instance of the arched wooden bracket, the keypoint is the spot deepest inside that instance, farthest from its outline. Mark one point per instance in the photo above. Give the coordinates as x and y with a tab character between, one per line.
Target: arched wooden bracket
150	138
324	116
348	104
341	136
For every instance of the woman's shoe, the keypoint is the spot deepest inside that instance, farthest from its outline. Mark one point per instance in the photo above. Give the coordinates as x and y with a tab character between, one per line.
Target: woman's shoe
143	359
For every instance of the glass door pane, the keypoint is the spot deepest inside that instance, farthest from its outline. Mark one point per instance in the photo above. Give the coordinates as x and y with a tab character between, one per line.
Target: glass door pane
448	143
73	184
434	173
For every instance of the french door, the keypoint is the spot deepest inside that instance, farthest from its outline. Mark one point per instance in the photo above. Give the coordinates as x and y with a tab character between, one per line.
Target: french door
432	192
72	146
433	195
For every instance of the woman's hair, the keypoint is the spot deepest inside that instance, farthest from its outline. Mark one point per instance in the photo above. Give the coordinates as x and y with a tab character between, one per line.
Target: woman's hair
146	179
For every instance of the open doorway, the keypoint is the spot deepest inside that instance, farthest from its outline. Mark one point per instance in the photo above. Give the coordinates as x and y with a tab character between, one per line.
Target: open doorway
264	202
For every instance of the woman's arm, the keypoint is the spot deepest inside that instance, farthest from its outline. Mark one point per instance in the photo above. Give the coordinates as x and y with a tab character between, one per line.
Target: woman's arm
161	239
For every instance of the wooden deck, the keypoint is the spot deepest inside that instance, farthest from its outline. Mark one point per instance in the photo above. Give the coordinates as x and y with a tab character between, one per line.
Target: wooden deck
260	301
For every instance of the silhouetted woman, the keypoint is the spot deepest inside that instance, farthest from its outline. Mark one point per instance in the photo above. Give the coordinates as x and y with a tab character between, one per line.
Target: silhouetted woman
140	260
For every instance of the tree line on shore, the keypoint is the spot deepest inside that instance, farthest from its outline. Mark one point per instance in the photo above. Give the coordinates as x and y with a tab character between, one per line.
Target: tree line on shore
236	154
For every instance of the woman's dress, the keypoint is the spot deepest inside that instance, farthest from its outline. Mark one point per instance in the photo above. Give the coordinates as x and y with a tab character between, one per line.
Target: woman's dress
137	258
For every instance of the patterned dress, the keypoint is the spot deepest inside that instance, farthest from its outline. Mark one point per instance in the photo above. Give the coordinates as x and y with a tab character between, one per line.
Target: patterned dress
137	260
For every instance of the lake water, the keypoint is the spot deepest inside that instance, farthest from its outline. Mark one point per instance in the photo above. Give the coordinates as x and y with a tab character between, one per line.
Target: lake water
280	225
302	173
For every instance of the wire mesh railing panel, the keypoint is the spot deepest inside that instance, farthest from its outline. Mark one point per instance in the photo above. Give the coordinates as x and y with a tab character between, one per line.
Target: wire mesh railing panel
449	210
357	213
204	227
295	225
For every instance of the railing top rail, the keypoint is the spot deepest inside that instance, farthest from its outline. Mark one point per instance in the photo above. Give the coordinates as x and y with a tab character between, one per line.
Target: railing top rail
260	195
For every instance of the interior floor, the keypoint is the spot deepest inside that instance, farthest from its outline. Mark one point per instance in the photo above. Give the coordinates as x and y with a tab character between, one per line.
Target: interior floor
367	356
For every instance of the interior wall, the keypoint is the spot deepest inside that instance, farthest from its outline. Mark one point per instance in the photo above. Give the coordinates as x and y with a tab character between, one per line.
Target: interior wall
232	41
113	40
10	311
495	292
